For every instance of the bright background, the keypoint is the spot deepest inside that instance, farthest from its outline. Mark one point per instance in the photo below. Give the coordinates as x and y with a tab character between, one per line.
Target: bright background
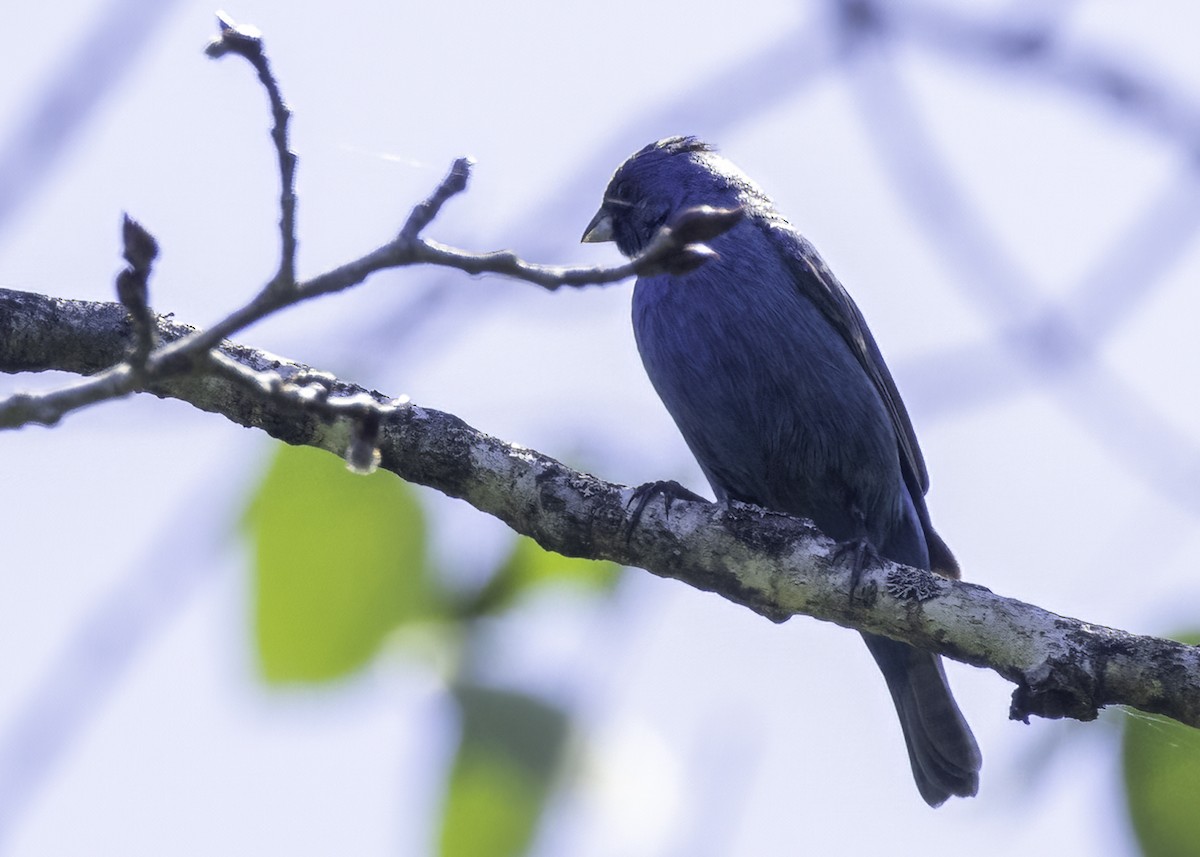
1016	217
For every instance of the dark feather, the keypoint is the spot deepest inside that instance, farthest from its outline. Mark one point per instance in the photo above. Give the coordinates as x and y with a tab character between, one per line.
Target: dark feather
770	372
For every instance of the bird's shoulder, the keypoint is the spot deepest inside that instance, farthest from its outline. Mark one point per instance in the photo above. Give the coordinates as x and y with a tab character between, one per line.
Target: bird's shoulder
817	283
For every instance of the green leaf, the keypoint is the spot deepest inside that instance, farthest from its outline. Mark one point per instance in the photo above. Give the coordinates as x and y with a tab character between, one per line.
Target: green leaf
339	561
1162	784
531	567
509	754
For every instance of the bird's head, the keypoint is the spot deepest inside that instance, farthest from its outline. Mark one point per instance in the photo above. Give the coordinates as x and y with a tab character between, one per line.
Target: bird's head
661	179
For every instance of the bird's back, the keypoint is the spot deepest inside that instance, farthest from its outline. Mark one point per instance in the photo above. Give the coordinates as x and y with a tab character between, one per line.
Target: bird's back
779	410
776	384
769	397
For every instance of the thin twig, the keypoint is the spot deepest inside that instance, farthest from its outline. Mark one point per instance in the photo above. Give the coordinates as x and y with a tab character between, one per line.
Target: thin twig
187	354
423	213
247	43
48	408
133	288
677	247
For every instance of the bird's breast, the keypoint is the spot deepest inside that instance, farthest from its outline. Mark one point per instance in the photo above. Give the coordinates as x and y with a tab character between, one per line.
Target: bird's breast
767	394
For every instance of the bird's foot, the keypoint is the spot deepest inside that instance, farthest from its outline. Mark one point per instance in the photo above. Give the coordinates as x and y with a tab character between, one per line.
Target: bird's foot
859	554
669	490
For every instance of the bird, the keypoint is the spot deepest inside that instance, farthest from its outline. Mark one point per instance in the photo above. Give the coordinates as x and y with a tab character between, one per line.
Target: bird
771	375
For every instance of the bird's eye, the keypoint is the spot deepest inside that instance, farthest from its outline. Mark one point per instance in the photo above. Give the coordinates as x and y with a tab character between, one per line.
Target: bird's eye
621	190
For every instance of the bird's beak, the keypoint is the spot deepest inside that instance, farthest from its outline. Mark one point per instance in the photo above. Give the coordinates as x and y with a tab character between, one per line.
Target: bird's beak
600	229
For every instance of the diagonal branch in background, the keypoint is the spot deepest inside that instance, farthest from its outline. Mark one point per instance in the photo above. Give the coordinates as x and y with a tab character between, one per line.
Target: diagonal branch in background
773	564
1054	344
60	106
1048	344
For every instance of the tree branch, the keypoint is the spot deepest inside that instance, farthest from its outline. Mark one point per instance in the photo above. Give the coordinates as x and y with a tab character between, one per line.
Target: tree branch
773	564
676	247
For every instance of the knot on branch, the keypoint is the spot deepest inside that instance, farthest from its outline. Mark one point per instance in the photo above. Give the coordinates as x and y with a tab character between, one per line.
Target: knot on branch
133	286
310	385
363	455
1056	688
912	584
235	38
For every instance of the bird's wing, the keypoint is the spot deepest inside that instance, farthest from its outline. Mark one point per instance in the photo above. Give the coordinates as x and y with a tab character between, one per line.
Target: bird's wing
819	285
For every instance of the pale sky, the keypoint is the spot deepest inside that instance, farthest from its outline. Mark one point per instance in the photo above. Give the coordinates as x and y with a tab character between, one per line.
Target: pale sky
125	642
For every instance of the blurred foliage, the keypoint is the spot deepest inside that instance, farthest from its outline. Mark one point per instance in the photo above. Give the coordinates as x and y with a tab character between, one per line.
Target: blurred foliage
507	761
340	560
1161	760
341	566
530	567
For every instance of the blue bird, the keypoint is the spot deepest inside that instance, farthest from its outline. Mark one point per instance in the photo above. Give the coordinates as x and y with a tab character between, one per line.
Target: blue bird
770	373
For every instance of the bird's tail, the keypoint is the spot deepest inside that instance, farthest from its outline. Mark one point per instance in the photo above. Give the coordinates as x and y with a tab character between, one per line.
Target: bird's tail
945	758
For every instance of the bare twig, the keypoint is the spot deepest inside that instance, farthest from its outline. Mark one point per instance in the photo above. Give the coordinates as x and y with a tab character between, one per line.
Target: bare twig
423	214
48	408
677	246
133	288
247	43
187	354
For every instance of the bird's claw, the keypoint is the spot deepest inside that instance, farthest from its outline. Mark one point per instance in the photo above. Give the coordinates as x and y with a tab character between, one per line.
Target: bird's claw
859	554
669	490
